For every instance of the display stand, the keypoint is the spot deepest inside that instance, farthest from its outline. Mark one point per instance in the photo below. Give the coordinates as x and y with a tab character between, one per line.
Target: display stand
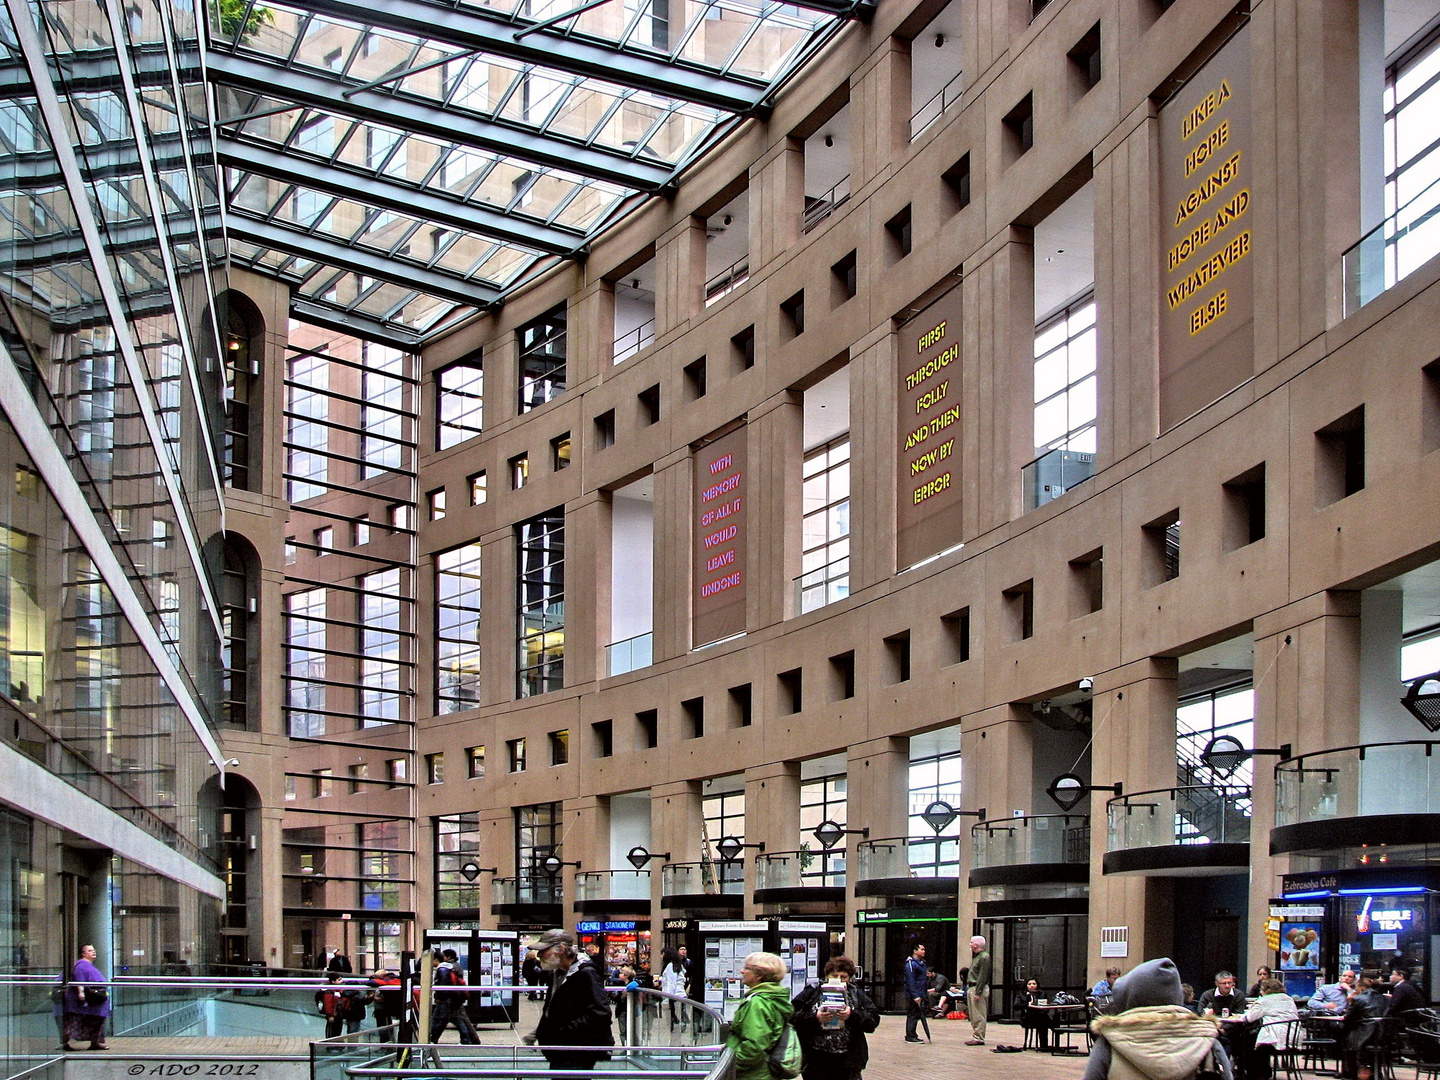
490	960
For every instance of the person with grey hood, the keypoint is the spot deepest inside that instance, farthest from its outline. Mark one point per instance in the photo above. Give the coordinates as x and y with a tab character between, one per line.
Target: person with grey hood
1149	1035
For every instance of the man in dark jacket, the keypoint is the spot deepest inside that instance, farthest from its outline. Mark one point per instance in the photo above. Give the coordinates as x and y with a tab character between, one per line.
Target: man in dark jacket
1404	996
577	1009
917	978
834	1037
1361	1025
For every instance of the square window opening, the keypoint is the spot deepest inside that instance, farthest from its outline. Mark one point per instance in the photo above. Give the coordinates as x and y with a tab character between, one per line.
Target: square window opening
560	452
1019	128
740	706
1087	583
603	732
649	400
1161	559
1340	458
842	676
560	747
648	723
1085	63
955	637
897	658
742	349
957	185
899	235
605	429
1019	607
1244	510
844	280
792	316
694	373
693	711
789	687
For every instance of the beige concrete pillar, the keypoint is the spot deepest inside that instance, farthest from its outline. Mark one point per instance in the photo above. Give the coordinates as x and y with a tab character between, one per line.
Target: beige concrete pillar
878	799
1307	693
879	112
497	849
1127	276
997	358
1133	743
676	811
586	828
774	448
590	333
587	587
679	274
772	816
499	647
777	201
872	459
996	746
673	555
269	862
502	378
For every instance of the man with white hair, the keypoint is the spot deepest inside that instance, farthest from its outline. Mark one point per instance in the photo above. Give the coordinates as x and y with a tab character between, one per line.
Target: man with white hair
978	986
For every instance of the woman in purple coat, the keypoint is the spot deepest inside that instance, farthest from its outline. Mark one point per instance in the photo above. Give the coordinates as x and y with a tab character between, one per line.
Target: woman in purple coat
86	1006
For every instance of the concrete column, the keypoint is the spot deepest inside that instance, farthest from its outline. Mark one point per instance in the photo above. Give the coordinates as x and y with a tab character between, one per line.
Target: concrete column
676	811
673	555
1127	278
879	112
590	333
996	747
268	861
1133	735
1308	662
877	798
497	849
777	201
502	378
998	357
679	274
587	841
498	618
872	460
772	816
587	587
774	448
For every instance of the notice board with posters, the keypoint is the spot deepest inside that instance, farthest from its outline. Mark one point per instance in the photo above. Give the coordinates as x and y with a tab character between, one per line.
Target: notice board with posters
928	491
720	505
1207	205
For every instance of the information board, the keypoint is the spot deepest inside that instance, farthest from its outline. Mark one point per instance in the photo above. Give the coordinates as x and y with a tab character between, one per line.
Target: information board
928	490
1207	204
719	533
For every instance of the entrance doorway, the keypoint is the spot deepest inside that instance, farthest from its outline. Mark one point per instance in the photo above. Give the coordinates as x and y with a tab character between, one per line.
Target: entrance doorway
1049	949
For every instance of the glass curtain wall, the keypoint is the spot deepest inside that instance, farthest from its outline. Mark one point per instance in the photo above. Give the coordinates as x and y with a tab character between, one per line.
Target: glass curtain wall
349	649
541	584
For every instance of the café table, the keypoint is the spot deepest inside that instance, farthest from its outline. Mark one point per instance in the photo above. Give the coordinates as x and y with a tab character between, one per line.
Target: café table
1066	1020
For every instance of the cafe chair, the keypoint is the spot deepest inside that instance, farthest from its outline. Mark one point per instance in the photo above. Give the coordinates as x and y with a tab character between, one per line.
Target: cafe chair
1068	1024
1320	1044
1425	1044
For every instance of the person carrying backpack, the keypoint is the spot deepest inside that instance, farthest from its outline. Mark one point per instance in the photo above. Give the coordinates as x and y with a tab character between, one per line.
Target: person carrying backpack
761	1018
333	1006
1150	1035
389	996
449	1005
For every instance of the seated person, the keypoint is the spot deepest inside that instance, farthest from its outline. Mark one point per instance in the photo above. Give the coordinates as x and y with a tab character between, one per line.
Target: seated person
1363	1013
937	993
1103	989
1404	997
1273	1010
1223	999
1033	1018
1261	974
1333	997
1189	998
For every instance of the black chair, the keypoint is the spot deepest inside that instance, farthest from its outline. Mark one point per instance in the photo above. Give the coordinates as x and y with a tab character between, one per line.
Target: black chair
1425	1046
1069	1023
1320	1043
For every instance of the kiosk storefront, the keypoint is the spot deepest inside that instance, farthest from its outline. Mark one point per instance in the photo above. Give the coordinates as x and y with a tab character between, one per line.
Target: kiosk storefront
1356	920
886	938
616	942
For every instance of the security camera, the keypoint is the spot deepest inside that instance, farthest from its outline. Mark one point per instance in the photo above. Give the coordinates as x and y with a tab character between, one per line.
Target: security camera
1087	684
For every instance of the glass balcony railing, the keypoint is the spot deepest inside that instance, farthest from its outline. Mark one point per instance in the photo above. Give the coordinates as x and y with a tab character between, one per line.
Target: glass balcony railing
613	885
823	585
629	655
1032	839
1052	474
1173	817
933	109
800	870
818	209
628	344
509	890
1393	249
1390	779
703	879
907	857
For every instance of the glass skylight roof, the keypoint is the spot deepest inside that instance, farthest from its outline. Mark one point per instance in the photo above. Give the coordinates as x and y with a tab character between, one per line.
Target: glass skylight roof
403	162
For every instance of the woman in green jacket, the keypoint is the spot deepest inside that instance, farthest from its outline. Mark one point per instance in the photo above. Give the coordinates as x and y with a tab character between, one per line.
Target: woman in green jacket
760	1017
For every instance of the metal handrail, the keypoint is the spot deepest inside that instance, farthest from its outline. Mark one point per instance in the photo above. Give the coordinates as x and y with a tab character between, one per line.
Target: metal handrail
625	348
944	104
1430	746
1023	820
1196	814
826	204
729	279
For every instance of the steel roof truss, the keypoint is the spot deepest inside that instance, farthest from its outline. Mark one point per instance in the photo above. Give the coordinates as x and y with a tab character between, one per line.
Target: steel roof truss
322	95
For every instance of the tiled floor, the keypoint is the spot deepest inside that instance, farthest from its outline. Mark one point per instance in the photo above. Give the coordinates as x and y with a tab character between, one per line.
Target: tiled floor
892	1058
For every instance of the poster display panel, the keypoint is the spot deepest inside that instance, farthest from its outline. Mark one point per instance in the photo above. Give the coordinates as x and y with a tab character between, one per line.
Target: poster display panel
719	532
1207	207
928	489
